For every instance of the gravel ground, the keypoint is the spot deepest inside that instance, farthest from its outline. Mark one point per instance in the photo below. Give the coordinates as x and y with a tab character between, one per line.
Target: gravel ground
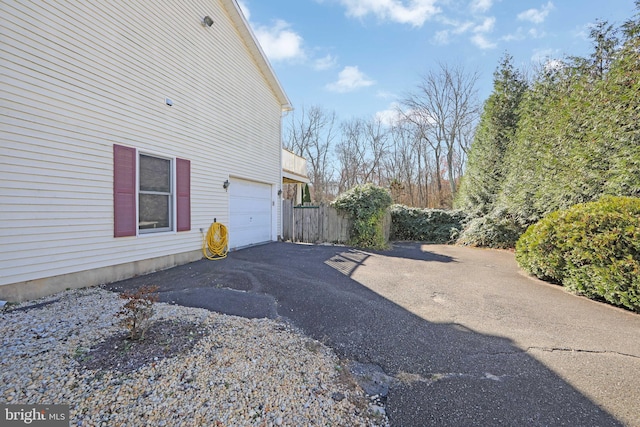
208	369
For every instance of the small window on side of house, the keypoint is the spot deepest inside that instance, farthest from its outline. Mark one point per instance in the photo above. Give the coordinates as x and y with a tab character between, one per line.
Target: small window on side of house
155	194
150	193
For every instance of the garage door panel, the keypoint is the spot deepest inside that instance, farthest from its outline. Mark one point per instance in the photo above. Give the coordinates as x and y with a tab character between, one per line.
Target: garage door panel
260	224
244	204
250	213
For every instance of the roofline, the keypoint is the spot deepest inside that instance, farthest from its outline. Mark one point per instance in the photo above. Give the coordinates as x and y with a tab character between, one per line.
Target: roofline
293	178
243	27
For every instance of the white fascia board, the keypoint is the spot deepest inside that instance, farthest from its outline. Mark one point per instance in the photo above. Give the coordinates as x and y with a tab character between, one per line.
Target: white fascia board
241	23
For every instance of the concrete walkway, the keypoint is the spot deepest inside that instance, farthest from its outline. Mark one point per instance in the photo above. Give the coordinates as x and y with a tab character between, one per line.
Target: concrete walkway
459	336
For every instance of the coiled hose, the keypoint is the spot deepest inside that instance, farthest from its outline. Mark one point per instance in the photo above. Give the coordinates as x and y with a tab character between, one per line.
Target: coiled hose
215	244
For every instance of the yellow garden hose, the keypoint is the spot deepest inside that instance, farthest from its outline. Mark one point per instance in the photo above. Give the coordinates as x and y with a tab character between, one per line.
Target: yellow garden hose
215	244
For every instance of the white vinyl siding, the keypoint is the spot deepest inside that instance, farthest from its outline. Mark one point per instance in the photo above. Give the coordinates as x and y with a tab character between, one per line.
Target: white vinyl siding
78	77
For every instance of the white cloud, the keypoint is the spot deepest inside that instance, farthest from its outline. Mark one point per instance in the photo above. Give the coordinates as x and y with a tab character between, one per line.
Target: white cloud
534	33
350	79
522	34
459	27
482	42
390	116
479	30
280	42
543	55
480	6
325	63
582	32
383	94
414	12
486	26
443	37
479	37
517	36
537	16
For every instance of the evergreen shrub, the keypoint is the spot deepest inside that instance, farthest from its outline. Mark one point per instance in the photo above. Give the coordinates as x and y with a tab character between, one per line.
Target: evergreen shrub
306	195
491	231
428	225
366	205
591	248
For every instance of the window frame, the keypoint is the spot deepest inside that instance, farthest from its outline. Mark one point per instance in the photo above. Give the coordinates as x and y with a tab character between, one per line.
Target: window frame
126	194
171	195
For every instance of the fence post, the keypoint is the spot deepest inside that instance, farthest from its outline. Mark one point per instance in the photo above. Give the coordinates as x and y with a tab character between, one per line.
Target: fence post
298	225
287	219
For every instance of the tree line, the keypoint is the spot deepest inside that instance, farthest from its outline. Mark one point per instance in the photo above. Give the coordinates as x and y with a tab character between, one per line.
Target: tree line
566	133
419	155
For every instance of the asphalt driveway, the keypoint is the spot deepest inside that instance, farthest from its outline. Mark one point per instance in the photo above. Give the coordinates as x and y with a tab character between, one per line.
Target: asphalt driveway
451	335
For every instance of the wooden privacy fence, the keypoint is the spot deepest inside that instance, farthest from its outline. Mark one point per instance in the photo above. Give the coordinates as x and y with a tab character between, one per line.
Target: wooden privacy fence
318	224
313	224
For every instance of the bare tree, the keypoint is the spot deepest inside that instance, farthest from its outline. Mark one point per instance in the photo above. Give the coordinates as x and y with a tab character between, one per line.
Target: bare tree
398	163
350	152
361	152
428	150
444	107
462	113
422	154
377	138
311	135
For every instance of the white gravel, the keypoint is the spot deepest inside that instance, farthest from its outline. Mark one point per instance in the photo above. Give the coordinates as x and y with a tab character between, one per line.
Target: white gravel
241	373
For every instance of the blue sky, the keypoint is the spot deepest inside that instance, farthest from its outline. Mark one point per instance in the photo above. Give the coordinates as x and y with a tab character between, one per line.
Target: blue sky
358	57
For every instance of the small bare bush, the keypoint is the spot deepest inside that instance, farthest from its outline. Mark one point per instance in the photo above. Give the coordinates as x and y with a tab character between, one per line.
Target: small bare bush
138	310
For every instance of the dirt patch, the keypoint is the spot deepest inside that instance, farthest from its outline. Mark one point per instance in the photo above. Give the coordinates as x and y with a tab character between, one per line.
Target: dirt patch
163	339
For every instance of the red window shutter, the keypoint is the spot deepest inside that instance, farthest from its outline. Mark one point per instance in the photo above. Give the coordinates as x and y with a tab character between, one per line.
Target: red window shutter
124	191
183	190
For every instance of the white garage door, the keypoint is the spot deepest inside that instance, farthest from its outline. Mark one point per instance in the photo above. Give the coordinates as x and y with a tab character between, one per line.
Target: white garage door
250	213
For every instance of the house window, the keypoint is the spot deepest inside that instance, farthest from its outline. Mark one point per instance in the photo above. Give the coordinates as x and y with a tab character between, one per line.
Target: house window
150	193
155	194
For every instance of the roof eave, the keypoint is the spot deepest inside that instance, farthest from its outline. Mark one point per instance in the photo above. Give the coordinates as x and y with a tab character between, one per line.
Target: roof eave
243	27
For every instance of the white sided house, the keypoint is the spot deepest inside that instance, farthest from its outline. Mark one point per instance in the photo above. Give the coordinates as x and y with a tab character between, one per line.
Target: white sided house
120	123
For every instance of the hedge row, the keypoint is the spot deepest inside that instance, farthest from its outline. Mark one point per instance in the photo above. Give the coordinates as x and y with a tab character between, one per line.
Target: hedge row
591	248
428	225
491	231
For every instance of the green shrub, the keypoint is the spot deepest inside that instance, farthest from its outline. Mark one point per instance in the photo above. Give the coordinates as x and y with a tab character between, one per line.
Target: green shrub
366	205
491	231
538	250
591	248
429	225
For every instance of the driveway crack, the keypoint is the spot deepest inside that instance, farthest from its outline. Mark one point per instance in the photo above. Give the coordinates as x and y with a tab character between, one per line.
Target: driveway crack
577	350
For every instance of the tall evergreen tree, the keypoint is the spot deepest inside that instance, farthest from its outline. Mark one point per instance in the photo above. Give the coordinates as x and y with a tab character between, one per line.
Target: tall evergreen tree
623	89
485	170
576	138
579	133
